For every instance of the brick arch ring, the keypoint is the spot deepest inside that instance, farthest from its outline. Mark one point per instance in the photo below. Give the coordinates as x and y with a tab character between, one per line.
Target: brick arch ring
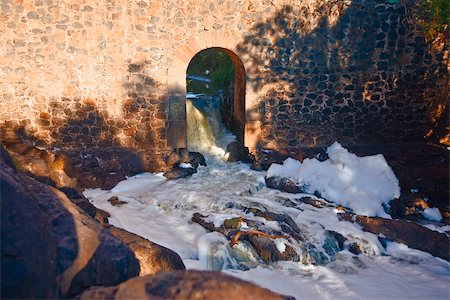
244	96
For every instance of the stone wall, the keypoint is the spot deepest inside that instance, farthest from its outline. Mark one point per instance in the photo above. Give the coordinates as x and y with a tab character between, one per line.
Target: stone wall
363	78
83	75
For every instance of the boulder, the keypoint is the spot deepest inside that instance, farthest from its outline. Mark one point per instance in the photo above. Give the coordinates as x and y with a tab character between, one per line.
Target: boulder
196	159
178	172
265	157
30	241
409	233
238	152
152	257
114	200
183	285
50	247
283	184
103	169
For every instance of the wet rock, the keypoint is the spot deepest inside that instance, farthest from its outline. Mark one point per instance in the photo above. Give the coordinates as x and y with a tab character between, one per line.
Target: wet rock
265	158
44	256
152	257
114	200
196	159
40	164
30	244
184	285
233	223
103	168
268	251
408	206
315	202
283	184
173	158
238	152
260	238
77	198
178	172
411	234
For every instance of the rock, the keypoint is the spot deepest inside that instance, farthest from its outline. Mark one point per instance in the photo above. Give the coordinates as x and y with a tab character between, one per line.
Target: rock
178	172
238	152
261	241
9	136
184	285
114	200
265	158
406	232
268	251
29	239
315	202
408	206
52	248
103	168
152	257
173	158
82	202
42	165
196	159
283	184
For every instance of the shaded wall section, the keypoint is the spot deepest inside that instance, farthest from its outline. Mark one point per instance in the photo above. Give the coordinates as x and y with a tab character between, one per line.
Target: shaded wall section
348	71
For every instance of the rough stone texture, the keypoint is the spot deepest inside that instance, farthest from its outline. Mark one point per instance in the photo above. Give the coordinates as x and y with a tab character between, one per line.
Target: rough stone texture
111	75
50	248
152	257
29	246
183	285
178	172
238	152
409	233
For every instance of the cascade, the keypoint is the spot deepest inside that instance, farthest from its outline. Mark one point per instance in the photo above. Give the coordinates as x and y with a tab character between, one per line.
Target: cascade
205	131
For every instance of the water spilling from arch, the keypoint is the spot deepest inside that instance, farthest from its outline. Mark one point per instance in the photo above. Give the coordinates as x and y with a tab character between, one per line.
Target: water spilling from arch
205	131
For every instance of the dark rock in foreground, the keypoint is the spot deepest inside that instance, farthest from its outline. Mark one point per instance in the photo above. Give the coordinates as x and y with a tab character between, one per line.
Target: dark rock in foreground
152	257
183	285
51	248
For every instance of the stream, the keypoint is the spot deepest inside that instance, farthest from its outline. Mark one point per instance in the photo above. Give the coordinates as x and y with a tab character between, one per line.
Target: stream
161	210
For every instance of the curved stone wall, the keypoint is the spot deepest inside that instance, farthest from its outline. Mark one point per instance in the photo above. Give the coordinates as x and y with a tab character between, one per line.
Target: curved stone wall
79	75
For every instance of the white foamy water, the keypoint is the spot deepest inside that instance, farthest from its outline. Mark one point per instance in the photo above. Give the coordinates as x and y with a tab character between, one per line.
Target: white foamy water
161	211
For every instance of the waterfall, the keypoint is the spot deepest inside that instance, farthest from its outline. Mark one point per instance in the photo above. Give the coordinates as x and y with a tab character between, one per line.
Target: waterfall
205	131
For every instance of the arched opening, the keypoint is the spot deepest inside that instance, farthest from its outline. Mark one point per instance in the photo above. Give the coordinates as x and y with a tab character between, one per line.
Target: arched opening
215	94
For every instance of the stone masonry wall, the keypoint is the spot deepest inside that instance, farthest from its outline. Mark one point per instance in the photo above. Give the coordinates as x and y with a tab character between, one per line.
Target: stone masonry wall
110	74
365	78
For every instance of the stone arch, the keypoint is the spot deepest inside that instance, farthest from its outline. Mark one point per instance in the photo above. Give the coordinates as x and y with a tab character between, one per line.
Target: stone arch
176	82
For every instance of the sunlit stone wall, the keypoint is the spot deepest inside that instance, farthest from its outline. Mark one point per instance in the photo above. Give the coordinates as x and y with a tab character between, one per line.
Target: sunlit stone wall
111	74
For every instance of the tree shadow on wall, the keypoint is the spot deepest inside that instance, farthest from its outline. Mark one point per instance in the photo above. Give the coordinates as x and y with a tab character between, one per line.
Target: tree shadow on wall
359	77
89	142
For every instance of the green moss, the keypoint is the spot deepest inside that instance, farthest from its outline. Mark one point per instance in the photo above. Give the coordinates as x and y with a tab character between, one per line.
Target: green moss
233	223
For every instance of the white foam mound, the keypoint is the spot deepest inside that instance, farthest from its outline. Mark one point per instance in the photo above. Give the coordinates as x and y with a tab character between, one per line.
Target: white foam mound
363	184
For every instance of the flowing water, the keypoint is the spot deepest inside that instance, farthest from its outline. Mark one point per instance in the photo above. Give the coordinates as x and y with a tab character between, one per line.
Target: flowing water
161	211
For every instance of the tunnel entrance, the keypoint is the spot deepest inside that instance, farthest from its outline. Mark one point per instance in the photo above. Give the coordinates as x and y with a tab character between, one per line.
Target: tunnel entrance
215	99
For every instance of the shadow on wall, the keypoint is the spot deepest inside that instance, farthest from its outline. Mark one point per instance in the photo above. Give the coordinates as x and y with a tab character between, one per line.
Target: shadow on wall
102	147
353	72
88	142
